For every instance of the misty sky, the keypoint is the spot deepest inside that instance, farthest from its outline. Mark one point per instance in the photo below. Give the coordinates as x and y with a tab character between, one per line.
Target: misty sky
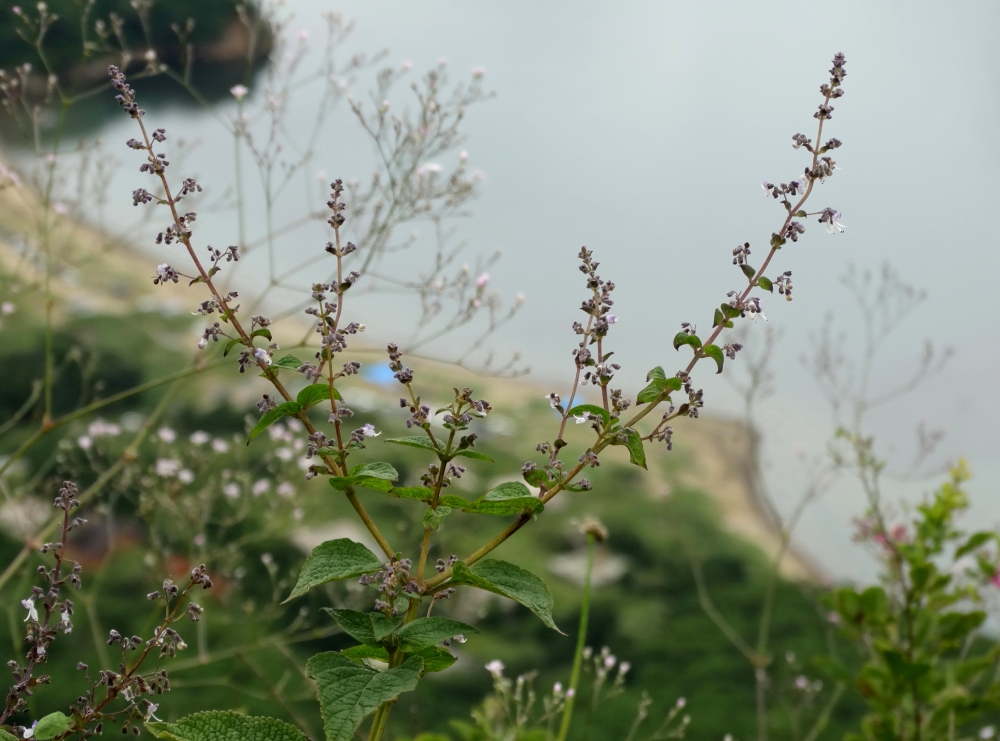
643	130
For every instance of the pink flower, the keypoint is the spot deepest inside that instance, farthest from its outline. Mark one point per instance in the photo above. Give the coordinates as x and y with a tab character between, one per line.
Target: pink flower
995	581
482	280
478	72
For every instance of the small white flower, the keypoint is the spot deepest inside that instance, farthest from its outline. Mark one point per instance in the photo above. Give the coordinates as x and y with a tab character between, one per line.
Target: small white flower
67	625
239	91
29	732
583	418
60	208
681	702
199	437
29	605
369	431
406	66
199	540
167	467
100	428
609	661
84	442
166	434
220	446
285	454
202	343
432	167
297	513
231	490
185	475
478	72
442	61
463	156
833	226
285	489
557	688
987	732
150	55
321	175
153	707
262	357
7	308
260	487
304	35
623	668
570	693
495	668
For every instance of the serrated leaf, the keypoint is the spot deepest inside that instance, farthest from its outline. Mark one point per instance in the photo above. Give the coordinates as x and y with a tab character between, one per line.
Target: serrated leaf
429	631
377	470
315	393
748	271
416	441
503	508
657	372
349	692
224	725
473	454
636	453
335	559
382	626
715	353
652	392
508	581
683	338
357	625
765	283
433	517
592	409
230	345
282	410
536	477
507	490
436	659
261	333
370	482
420	493
52	725
4	736
287	361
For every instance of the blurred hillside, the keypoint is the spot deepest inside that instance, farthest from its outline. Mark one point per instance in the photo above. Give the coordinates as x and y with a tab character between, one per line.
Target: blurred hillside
114	330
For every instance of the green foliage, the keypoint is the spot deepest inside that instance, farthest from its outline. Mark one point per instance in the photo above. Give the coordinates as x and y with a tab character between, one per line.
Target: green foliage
349	692
52	725
715	353
921	677
333	560
508	581
223	725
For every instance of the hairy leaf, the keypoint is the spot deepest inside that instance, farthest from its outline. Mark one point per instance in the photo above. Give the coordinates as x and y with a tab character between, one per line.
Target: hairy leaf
416	441
358	625
349	692
683	338
52	725
592	409
536	477
272	416
382	627
507	490
474	455
508	581
420	493
657	372
436	659
715	353
315	393
636	453
748	271
287	361
335	559
433	517
429	631
224	725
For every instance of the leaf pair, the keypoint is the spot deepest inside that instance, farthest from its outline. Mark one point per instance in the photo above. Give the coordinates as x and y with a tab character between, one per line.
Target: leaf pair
307	397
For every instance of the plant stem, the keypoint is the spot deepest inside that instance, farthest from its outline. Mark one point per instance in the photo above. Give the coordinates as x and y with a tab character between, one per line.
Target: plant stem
581	640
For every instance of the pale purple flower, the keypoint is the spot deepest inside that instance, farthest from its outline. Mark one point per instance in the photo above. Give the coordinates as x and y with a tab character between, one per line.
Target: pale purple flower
67	626
84	442
7	308
239	91
231	490
482	280
833	226
369	431
609	661
28	732
29	605
260	487
570	693
495	668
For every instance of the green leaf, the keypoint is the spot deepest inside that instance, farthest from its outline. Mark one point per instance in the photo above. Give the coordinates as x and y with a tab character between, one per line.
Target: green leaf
474	455
508	581
52	725
503	508
261	333
429	631
369	482
593	409
315	393
4	736
636	453
508	490
436	659
282	410
332	560
349	692
223	725
433	517
287	361
657	372
765	283
536	477
974	541
357	625
748	271
230	345
420	493
683	338
375	471
731	312
715	353
416	441
656	387
382	627
718	318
